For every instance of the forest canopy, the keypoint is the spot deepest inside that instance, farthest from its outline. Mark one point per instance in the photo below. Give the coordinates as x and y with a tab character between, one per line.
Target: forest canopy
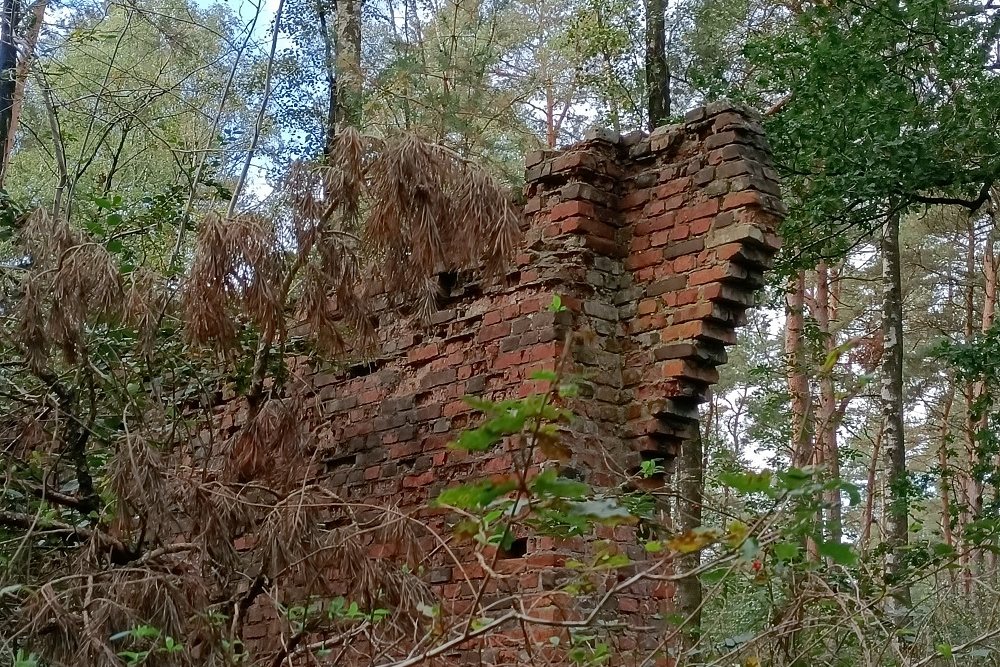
193	196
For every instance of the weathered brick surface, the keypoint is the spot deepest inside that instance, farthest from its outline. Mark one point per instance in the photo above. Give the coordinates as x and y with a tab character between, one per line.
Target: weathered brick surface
655	245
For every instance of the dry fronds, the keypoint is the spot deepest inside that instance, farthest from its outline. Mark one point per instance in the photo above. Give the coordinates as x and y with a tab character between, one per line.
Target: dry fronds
138	482
428	210
30	332
320	543
237	262
331	298
316	192
432	212
270	446
78	620
73	281
145	299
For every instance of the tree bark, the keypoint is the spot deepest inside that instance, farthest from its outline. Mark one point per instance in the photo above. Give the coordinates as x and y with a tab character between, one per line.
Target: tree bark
8	71
20	80
827	414
329	50
348	63
944	437
690	481
972	488
867	517
795	369
893	443
657	70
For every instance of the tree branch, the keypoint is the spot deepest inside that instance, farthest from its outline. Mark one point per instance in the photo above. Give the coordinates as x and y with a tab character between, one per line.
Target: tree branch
971	204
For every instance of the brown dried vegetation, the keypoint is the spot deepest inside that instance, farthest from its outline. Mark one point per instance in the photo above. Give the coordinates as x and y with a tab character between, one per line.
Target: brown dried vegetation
195	525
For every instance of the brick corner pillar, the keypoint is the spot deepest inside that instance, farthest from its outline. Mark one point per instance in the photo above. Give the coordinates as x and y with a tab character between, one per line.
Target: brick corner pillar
702	208
662	241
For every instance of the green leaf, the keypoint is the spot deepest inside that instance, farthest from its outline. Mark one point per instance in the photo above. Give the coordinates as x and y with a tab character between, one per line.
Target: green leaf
144	632
604	510
786	551
544	374
840	553
549	484
853	492
569	390
476	440
474	495
481	404
747	482
943	650
713	577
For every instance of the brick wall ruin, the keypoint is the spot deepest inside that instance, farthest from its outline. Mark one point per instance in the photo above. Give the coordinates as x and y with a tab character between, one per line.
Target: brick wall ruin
656	245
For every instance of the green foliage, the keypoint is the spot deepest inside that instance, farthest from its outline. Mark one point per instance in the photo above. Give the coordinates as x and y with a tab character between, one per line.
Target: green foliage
863	131
25	659
148	643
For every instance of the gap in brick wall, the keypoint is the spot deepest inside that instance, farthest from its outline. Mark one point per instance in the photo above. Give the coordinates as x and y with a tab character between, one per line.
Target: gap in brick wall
658	479
447	282
362	369
340	461
517	549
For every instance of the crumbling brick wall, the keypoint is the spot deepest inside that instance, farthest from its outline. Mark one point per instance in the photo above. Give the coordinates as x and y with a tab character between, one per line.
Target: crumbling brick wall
655	245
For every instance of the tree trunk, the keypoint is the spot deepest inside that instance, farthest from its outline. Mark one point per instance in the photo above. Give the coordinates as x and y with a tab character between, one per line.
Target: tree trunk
330	61
21	79
690	480
348	63
893	444
8	71
867	517
945	485
827	419
972	488
657	71
795	368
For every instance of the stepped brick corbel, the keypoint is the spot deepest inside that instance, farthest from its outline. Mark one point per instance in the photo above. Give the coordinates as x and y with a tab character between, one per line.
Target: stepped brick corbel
656	245
690	211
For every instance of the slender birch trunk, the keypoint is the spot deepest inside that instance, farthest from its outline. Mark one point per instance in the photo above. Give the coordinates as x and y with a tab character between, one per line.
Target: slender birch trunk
893	443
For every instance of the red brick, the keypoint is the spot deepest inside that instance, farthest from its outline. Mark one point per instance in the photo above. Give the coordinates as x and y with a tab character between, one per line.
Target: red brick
701	226
700	210
693	311
418	481
507	360
494	331
573	161
644	259
404	450
655	224
679	232
673	187
423	353
491	317
640	243
634	199
543	352
710	275
569	209
685	296
674	203
684	263
628	605
741	199
646	306
588	226
660	238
